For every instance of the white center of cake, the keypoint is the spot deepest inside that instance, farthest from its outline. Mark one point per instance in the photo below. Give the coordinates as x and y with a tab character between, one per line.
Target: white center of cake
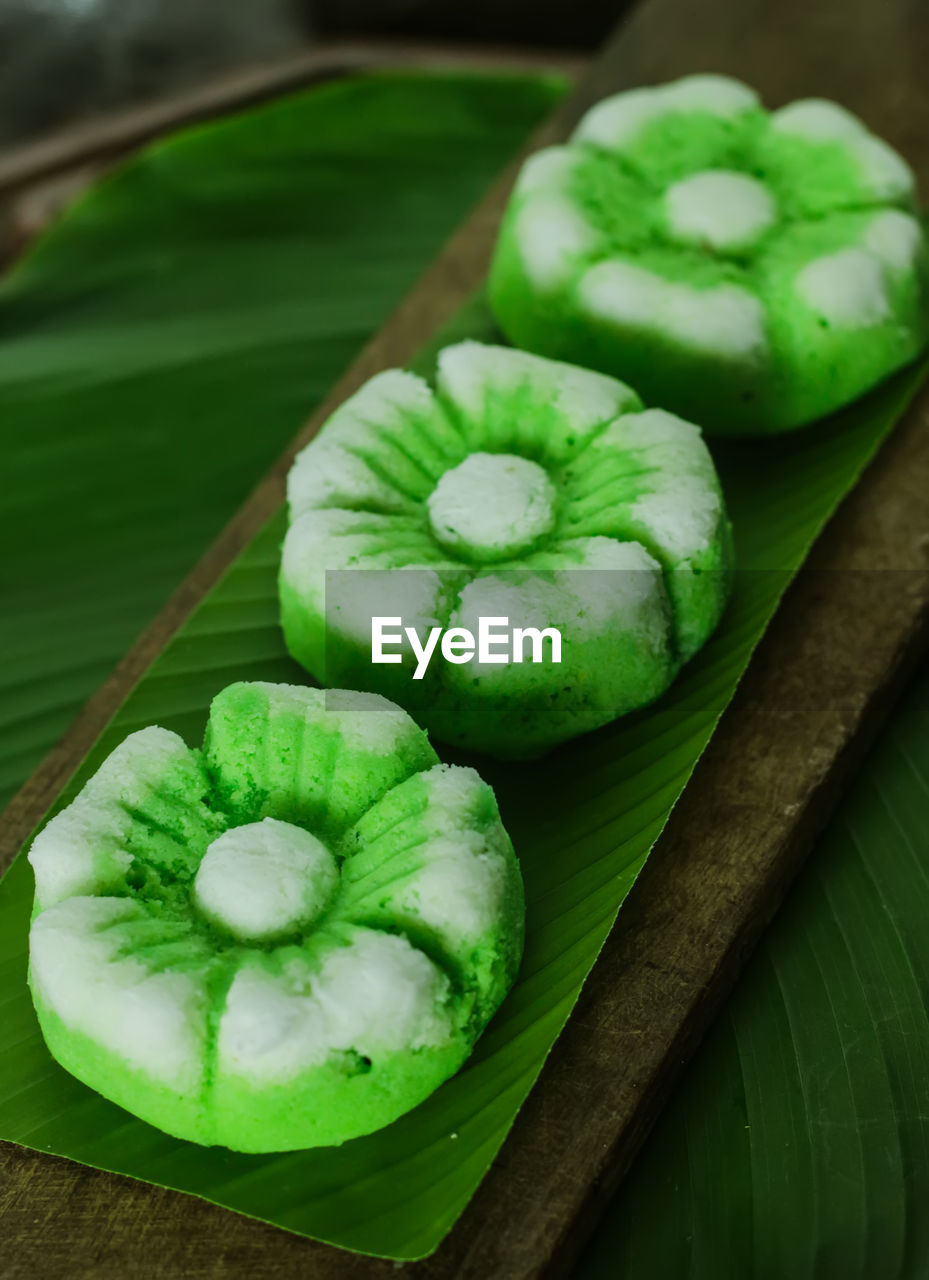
264	880
492	506
719	208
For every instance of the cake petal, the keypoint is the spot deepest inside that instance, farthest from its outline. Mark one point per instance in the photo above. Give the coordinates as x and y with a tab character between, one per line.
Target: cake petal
142	813
313	757
649	478
512	401
433	859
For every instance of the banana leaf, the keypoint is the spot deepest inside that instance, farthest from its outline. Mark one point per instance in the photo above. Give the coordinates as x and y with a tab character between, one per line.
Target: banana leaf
798	1144
160	347
583	821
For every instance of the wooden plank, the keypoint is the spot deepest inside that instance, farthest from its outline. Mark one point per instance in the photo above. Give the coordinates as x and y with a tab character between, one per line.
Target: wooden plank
822	679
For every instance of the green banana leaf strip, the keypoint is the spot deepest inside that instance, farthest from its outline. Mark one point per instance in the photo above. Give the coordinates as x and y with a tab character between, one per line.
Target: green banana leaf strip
583	822
798	1144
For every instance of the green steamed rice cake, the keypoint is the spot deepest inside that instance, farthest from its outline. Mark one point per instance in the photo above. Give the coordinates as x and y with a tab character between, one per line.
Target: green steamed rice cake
285	940
518	488
751	271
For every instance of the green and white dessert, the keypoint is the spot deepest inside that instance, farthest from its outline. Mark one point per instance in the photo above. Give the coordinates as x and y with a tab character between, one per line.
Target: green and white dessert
517	488
752	271
285	940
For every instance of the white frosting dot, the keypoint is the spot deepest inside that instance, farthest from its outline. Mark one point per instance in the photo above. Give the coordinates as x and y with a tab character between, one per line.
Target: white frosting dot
627	596
896	238
550	169
265	879
618	121
847	288
553	233
492	505
724	321
719	208
817	119
886	173
375	996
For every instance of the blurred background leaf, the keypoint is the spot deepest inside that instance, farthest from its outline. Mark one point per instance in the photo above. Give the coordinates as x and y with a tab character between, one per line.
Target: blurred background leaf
141	399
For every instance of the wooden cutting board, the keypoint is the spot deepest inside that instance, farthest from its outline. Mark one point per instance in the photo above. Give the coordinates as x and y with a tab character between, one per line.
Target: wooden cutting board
825	675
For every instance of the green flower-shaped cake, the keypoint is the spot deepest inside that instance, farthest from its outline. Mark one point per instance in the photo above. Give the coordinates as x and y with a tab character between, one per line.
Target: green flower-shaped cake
752	271
518	488
285	940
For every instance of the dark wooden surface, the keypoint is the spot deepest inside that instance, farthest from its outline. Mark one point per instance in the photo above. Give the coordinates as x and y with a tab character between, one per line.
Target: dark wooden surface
816	691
